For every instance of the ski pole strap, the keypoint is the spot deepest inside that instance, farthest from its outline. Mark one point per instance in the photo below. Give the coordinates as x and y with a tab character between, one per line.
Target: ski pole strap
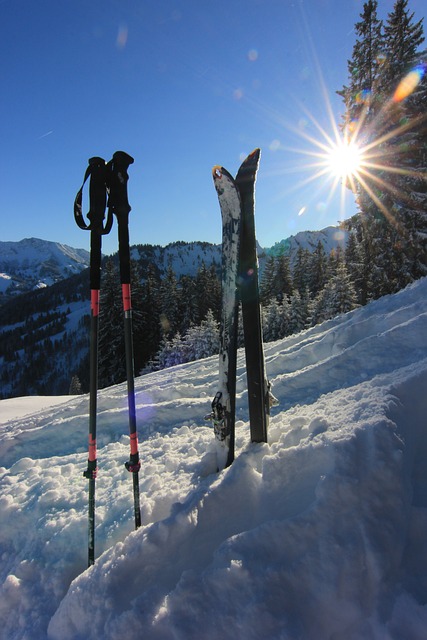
97	199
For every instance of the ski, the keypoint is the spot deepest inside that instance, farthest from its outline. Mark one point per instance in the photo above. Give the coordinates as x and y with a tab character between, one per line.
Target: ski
239	282
224	403
259	396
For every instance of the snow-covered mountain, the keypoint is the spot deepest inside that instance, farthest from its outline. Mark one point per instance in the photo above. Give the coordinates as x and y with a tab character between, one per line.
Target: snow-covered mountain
319	534
330	238
185	258
33	263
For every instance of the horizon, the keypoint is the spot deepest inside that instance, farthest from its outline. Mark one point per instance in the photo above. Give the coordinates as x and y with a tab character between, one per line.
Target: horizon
172	242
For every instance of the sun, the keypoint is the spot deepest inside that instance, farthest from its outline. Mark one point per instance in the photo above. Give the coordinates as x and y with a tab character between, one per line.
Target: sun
344	160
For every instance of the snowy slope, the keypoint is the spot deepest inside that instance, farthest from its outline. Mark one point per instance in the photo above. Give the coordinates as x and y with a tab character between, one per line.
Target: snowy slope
321	534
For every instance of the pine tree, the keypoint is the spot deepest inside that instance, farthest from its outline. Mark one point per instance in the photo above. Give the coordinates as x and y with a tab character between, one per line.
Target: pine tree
340	292
318	269
75	386
202	341
138	326
208	290
360	96
298	312
404	77
188	311
150	309
402	38
272	321
111	350
391	194
169	303
268	281
300	277
283	280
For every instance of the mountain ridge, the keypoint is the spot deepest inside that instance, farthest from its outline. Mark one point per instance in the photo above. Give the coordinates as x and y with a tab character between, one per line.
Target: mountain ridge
34	263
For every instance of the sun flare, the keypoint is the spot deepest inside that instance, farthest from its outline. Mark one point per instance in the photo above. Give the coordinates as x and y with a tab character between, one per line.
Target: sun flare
344	160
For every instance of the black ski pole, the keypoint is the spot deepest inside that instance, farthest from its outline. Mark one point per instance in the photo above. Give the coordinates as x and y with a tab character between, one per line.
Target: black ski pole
118	203
97	203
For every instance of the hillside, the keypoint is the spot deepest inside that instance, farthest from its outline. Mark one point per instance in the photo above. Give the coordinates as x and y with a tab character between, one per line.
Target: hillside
319	534
44	334
33	264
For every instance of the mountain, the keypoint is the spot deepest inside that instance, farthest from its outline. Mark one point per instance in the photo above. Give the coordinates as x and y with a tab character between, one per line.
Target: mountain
320	533
185	258
33	264
330	238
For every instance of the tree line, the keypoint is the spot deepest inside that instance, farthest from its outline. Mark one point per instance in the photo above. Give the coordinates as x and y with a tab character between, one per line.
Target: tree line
385	115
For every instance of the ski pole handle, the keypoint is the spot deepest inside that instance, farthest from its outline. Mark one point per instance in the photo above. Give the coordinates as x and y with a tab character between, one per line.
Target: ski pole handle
97	199
118	179
97	194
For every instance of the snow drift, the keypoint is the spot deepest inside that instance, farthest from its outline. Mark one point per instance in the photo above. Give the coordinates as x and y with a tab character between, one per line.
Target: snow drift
321	534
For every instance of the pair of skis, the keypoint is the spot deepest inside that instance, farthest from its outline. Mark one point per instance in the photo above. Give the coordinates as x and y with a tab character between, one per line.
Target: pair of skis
108	179
239	282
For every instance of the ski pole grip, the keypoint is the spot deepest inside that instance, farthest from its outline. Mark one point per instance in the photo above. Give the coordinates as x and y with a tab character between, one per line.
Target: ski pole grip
97	193
118	183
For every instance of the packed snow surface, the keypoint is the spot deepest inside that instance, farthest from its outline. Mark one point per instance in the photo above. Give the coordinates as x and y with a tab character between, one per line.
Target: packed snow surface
321	534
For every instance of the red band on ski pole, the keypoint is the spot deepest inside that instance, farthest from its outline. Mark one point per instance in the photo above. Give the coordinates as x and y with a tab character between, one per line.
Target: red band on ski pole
94	302
127	302
133	444
92	449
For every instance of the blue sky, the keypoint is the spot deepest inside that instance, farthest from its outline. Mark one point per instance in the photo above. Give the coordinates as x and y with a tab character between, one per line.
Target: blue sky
181	85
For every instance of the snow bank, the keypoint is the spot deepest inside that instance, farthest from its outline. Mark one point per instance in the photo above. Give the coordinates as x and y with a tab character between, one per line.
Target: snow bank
319	534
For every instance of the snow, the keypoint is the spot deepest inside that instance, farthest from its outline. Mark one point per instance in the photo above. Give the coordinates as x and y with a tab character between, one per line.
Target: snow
321	534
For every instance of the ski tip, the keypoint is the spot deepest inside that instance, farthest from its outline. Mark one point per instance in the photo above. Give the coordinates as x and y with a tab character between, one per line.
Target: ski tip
252	159
248	169
218	173
255	154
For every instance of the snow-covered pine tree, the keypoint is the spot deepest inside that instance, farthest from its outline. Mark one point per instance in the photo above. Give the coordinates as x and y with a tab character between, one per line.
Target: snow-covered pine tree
299	312
317	270
202	341
300	280
271	321
268	281
392	227
339	293
404	78
283	279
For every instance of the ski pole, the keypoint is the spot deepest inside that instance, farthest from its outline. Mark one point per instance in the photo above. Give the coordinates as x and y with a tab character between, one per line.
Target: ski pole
97	203
119	205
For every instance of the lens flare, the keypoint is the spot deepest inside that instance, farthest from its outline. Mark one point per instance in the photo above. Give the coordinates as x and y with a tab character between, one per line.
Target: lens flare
409	83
